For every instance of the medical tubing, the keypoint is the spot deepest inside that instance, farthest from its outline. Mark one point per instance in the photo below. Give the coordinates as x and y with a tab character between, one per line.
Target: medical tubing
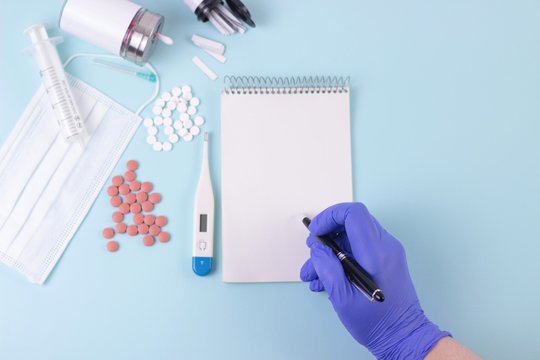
106	56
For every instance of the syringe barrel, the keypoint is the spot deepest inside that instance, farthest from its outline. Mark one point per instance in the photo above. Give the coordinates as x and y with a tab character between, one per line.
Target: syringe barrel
56	84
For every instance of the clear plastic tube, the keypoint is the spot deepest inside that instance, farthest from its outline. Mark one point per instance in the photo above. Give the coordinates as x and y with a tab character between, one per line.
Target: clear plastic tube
56	84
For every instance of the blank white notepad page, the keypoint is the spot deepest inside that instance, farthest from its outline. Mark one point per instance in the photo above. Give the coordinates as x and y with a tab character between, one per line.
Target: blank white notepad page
283	155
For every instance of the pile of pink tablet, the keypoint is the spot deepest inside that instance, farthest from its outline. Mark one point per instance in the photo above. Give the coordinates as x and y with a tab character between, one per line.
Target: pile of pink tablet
134	202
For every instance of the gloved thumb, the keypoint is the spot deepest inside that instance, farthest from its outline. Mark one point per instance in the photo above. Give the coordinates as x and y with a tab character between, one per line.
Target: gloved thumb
329	270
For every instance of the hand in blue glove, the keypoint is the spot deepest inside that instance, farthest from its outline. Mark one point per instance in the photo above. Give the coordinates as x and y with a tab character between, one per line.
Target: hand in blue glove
394	329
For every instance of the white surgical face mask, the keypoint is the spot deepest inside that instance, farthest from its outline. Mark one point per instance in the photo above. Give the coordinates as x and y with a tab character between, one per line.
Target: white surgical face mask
48	185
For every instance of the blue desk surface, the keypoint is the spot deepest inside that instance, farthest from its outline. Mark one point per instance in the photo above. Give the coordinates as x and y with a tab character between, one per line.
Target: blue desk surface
446	151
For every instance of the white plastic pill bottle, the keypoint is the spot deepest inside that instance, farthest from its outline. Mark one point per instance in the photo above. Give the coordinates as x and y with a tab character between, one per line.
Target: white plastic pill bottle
118	26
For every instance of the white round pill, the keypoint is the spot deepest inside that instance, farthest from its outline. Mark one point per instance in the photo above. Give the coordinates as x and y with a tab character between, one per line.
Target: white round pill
158	120
151	139
152	130
188	124
168	130
184	117
166	112
157	110
167	121
171	105
182	131
191	110
175	99
157	146
148	122
187	137
176	91
173	138
186	89
167	146
160	102
166	96
195	131
187	96
178	125
195	101
182	107
199	120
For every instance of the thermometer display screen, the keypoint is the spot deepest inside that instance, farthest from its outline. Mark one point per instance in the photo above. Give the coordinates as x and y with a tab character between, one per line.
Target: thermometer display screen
203	220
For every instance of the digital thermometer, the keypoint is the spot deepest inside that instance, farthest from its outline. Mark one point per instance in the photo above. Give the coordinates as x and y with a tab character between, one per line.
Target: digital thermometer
203	219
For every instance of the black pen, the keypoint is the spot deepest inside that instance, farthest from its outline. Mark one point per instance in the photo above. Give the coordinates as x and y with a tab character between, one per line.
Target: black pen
355	273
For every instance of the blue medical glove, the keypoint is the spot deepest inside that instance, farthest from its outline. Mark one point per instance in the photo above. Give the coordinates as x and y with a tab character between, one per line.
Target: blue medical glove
394	329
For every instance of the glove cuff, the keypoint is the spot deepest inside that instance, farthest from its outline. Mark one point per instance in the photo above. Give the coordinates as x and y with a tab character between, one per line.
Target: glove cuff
410	338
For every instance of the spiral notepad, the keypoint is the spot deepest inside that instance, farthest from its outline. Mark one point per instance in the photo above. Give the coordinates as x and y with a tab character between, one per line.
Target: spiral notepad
286	152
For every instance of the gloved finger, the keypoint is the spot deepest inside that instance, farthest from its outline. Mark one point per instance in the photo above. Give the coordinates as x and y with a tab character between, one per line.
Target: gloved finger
363	232
329	269
343	242
334	218
316	285
334	236
307	272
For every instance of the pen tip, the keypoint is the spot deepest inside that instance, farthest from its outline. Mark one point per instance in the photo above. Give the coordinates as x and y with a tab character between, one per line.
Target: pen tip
378	296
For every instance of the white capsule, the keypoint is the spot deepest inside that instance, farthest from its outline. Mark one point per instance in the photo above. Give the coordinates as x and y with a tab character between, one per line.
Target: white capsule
158	120
148	122
151	140
178	125
157	110
166	112
171	105
182	132
167	121
173	138
157	146
184	117
199	120
195	101
187	137
186	89
166	96
195	131
167	146
176	91
168	130
160	103
188	124
182	107
191	110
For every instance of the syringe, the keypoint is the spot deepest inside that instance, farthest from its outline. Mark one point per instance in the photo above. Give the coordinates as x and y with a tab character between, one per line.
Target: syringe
56	84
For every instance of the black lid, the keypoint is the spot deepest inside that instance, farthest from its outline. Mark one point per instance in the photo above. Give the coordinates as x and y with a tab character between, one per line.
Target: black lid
241	11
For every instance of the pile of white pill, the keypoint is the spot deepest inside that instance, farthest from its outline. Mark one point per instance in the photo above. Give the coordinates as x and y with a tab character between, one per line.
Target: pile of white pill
185	127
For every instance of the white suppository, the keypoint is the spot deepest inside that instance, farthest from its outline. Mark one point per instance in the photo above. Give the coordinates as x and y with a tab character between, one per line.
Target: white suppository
222	59
203	218
204	68
211	45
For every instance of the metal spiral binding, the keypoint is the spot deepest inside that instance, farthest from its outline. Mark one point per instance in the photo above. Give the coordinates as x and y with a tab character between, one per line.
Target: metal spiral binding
285	85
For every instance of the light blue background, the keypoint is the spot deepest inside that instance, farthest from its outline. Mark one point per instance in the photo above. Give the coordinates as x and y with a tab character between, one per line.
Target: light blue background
445	120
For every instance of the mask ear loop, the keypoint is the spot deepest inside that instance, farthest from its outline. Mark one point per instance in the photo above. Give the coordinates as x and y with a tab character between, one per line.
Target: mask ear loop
106	56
